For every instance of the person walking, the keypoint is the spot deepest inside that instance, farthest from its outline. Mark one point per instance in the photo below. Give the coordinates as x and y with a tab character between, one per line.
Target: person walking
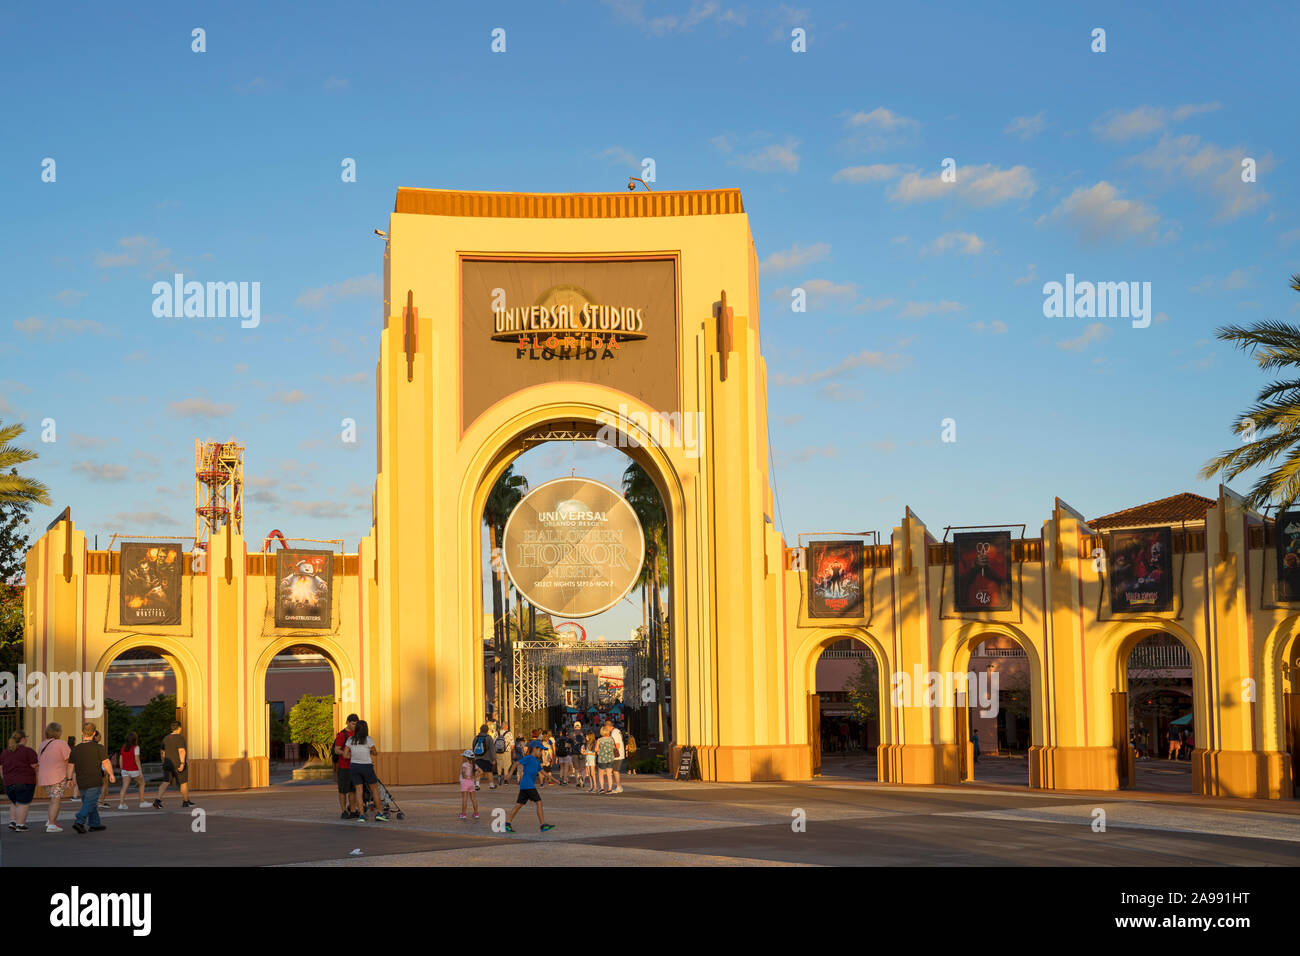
975	739
348	809
548	758
361	758
631	754
18	766
53	772
467	771
616	768
176	767
505	745
132	772
483	748
518	755
564	757
1174	744
90	761
529	767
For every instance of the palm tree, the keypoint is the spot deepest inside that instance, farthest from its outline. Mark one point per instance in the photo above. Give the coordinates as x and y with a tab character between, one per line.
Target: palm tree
14	488
642	494
1274	345
508	491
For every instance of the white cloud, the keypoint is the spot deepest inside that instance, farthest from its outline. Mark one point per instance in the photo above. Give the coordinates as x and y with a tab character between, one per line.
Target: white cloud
293	397
200	408
1093	333
1098	213
347	289
881	119
51	329
321	509
70	296
137	250
919	310
1291	236
101	471
808	453
984	185
794	257
1026	127
619	155
821	292
1211	169
997	327
1029	276
878	172
700	11
966	243
775	157
862	359
1145	120
873	305
143	519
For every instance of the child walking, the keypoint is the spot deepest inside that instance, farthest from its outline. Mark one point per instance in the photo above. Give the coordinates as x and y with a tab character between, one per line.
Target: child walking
529	768
589	761
467	793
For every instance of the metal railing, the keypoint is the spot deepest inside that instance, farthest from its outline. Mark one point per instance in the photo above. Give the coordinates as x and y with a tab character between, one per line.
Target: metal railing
982	651
843	655
1163	655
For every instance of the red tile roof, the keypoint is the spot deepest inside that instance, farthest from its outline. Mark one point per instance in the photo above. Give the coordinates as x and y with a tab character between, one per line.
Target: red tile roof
1175	508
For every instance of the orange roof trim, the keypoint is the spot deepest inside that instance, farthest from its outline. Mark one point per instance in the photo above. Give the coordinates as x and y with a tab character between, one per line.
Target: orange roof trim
625	205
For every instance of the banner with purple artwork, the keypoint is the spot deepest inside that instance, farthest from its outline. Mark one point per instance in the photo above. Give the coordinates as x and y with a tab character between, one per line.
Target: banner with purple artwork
304	583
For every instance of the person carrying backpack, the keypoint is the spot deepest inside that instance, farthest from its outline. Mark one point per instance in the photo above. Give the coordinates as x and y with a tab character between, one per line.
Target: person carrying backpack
484	750
504	747
563	743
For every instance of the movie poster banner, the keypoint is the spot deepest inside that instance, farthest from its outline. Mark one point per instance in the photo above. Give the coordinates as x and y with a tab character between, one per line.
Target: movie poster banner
151	584
1138	562
1288	556
835	587
982	568
305	584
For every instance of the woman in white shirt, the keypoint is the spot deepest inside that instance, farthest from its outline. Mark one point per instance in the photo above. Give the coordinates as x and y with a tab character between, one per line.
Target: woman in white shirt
361	751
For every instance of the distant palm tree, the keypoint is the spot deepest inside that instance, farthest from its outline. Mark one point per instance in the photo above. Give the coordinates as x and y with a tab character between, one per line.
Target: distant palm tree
14	488
508	491
643	495
1274	345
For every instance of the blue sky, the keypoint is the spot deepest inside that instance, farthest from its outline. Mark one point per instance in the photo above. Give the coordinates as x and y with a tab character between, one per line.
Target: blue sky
925	299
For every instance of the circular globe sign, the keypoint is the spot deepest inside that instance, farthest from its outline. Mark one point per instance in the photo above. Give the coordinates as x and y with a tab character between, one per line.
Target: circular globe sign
573	547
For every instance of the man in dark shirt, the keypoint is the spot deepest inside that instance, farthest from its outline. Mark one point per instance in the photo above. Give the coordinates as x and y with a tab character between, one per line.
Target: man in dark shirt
90	760
176	768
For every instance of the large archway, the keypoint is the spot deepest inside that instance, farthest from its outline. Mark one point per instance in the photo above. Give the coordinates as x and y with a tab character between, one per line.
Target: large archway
805	688
154	681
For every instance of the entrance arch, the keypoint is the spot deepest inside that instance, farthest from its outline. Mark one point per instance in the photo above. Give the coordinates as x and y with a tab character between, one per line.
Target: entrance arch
499	447
1115	652
805	688
191	693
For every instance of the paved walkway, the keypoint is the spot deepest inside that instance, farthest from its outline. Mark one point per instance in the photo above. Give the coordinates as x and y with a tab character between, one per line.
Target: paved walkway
660	822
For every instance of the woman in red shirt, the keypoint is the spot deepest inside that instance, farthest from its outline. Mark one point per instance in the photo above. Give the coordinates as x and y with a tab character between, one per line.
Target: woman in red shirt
132	771
18	769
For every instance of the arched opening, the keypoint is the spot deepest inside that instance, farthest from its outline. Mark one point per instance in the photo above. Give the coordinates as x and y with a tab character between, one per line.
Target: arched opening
996	727
1290	710
145	689
298	671
544	670
846	709
1154	713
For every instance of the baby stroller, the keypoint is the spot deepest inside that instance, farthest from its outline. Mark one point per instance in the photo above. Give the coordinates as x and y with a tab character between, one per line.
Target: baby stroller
390	804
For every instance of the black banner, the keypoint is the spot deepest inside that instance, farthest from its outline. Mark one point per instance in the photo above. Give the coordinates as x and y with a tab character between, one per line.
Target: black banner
835	586
304	586
151	584
1140	576
1288	556
982	569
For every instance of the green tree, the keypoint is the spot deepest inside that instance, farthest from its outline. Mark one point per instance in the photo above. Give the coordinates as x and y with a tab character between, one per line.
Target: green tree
11	628
643	495
153	723
117	722
1270	430
864	690
15	489
13	542
311	721
508	491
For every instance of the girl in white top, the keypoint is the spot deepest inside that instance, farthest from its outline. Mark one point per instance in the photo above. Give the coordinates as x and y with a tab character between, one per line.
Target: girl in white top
361	753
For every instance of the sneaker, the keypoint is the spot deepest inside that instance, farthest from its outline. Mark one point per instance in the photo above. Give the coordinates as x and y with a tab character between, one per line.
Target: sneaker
547	826
21	828
105	806
476	816
492	787
79	827
12	825
345	815
381	817
157	804
53	828
463	817
475	786
361	818
98	828
188	803
145	805
509	828
122	806
618	790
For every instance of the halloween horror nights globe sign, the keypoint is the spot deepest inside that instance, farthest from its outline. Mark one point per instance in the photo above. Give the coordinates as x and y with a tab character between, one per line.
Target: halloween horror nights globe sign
573	547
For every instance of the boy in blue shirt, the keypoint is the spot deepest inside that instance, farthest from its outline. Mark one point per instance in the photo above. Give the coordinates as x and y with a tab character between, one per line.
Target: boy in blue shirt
529	766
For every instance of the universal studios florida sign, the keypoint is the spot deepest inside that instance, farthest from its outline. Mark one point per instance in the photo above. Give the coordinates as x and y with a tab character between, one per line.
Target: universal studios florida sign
573	547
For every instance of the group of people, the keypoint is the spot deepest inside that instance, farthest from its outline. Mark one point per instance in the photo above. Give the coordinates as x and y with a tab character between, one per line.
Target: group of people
1179	740
842	734
64	768
591	760
354	768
